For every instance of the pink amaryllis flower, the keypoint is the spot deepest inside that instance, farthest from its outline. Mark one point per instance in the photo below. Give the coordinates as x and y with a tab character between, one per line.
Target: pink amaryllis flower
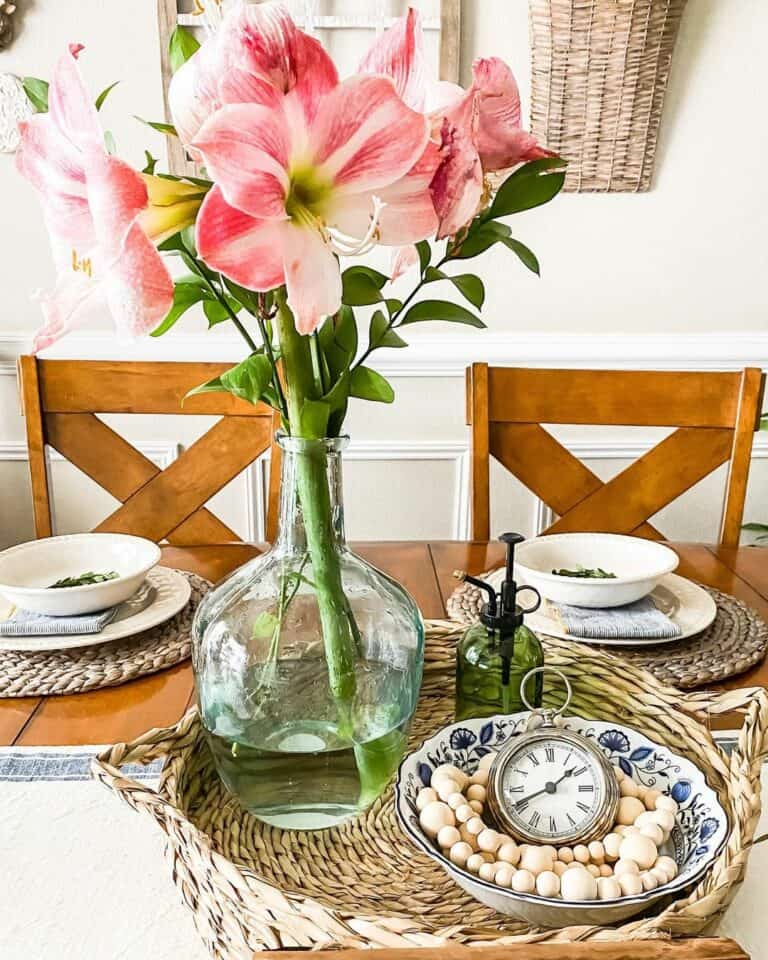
305	167
476	132
91	202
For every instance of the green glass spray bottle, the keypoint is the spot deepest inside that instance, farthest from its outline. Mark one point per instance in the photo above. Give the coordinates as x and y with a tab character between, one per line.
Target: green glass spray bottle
498	650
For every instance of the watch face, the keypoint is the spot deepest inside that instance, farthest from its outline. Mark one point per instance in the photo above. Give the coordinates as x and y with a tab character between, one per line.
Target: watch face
552	790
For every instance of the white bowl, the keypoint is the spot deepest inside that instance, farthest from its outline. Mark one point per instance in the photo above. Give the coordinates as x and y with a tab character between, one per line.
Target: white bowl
701	824
28	570
638	564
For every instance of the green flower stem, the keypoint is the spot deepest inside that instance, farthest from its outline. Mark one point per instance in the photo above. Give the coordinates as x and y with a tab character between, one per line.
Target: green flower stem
315	499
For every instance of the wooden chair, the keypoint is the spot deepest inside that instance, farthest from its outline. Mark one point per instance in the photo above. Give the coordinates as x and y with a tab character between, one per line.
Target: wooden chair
59	401
716	415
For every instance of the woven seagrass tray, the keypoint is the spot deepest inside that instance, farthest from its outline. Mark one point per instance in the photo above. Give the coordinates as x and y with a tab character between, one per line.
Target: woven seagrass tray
51	672
735	641
251	887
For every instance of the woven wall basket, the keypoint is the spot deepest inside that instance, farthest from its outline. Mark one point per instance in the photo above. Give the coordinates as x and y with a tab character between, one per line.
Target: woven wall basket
599	74
252	887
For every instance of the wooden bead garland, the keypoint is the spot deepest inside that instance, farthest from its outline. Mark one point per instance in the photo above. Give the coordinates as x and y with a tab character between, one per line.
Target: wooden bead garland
624	863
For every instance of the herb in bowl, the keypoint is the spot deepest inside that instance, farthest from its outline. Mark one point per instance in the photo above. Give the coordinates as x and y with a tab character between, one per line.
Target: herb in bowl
84	579
582	573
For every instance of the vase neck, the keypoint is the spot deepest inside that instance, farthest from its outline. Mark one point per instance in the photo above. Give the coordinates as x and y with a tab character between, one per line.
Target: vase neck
323	460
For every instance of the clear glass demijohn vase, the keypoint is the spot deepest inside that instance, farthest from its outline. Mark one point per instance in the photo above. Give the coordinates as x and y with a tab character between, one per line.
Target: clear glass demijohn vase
299	747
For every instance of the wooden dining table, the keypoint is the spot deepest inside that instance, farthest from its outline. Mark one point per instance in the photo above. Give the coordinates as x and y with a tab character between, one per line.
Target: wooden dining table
119	714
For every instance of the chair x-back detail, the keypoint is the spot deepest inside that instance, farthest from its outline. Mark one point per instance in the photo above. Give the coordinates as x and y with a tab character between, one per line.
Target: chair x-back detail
60	400
716	415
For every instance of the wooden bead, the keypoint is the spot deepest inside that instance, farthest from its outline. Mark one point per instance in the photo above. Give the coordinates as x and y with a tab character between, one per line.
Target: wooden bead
622	867
476	806
475	862
565	854
669	865
488	840
666	820
487	872
445	787
456	800
479	776
642	850
650	798
628	788
447	837
605	870
536	860
581	853
509	853
667	803
475	825
559	867
608	888
475	792
460	853
631	884
648	880
523	881
548	884
468	837
596	852
425	796
611	846
504	875
629	809
464	813
662	877
619	773
434	817
452	772
593	869
654	832
578	884
486	761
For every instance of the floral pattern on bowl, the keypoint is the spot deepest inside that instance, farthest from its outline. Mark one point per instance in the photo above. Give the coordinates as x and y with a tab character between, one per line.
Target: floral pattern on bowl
700	829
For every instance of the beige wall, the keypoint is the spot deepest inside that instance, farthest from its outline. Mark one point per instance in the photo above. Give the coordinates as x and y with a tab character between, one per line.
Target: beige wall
671	278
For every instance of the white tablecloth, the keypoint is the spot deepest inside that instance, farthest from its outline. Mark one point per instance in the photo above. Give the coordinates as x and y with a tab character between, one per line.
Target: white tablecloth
82	877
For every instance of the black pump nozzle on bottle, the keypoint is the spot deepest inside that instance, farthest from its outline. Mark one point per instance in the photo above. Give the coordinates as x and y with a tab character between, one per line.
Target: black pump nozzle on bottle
502	612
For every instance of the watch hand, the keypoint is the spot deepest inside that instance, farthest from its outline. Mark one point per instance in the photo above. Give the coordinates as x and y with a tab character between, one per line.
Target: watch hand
549	787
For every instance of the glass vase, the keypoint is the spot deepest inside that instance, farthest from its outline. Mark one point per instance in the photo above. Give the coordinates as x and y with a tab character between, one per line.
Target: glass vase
308	661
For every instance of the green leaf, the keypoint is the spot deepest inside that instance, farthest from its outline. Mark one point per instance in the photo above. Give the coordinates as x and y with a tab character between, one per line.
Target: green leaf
313	418
37	93
361	286
338	341
755	527
215	311
248	298
167	128
104	94
425	254
529	186
150	164
527	256
480	238
181	47
441	310
764	422
248	379
264	625
380	334
337	399
186	293
467	284
393	305
210	386
366	384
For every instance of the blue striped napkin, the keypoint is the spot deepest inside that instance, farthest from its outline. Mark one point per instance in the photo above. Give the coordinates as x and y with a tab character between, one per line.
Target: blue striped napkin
26	623
641	620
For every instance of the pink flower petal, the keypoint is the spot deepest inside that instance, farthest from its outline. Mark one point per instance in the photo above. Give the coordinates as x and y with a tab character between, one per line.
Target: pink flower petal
409	213
403	258
365	137
312	278
138	288
457	187
399	53
246	149
117	194
247	250
501	141
193	94
263	41
67	307
70	106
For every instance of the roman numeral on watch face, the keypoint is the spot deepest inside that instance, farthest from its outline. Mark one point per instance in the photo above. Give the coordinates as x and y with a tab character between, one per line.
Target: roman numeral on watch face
535	817
549	754
583	807
586	788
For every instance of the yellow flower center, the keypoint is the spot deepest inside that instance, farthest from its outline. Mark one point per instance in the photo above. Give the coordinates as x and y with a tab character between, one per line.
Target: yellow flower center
308	196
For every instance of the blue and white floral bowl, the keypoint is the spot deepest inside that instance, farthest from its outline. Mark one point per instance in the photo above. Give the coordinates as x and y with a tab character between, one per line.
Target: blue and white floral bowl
699	833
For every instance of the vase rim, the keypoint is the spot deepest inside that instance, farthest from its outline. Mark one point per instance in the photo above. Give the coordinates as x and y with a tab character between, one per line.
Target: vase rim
305	445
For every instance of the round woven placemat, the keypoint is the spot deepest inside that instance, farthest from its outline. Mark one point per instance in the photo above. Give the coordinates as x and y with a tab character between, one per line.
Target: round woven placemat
103	665
736	641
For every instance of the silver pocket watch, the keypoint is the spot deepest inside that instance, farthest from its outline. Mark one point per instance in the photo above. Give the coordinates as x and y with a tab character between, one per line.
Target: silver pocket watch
550	785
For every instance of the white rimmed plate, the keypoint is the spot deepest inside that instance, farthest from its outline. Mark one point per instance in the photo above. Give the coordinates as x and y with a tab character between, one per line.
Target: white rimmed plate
160	597
684	602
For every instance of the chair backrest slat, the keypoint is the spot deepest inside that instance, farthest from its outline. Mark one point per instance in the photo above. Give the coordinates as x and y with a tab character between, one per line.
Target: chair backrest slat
60	401
716	415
